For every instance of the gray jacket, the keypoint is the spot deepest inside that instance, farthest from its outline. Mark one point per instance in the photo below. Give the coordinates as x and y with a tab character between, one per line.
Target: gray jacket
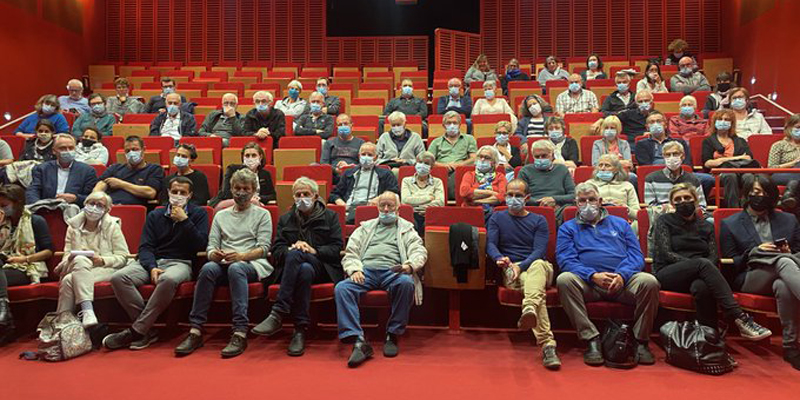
387	149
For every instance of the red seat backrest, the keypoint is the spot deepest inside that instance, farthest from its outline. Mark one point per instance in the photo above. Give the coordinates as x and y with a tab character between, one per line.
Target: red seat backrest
586	148
99	169
514	140
446	216
549	215
644	227
696	147
113	144
365	213
341	213
490	118
221	75
132	217
213	143
138	118
320	172
273	213
301	142
212	172
760	146
583	174
16	143
719	215
57	227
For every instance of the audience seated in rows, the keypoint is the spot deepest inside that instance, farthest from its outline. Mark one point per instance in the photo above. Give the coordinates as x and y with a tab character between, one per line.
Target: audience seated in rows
135	181
175	122
122	103
491	104
315	122
46	108
62	178
97	117
185	154
225	123
454	149
90	149
74	102
422	190
264	120
360	185
253	159
479	71
332	105
158	103
652	80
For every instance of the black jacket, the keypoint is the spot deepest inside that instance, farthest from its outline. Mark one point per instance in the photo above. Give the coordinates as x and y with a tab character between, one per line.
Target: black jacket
712	144
266	188
158	102
307	125
321	231
31	152
275	121
646	150
386	181
676	239
188	126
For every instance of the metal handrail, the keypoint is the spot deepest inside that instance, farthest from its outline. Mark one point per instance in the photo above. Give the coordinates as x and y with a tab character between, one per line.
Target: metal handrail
16	120
770	101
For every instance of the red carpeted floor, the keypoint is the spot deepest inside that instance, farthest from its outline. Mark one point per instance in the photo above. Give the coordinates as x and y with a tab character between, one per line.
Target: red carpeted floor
432	365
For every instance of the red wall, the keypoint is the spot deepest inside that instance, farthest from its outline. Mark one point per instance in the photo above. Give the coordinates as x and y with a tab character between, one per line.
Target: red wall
761	35
43	44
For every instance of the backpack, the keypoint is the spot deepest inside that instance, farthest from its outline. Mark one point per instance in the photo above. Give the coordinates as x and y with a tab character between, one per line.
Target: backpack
61	337
696	347
619	346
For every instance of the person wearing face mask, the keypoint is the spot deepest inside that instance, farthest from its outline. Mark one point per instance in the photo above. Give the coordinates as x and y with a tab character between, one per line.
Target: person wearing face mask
513	73
508	155
46	108
718	99
657	185
652	81
253	159
332	103
90	149
484	186
307	246
491	104
649	151
361	185
62	178
74	102
264	120
622	98
480	71
185	155
384	253
122	103
40	146
786	154
454	149
422	190
170	240
455	100
685	261
634	118
315	121
549	183
238	245
292	104
610	143
516	240
763	243
612	182
175	122
408	104
566	148
575	99
688	123
135	181
677	50
551	71
98	117
749	121
532	112
97	232
342	150
224	123
158	103
25	241
600	259
724	149
687	80
400	146
594	69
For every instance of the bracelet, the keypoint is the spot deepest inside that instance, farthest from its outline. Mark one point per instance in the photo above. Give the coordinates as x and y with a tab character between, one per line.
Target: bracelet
27	259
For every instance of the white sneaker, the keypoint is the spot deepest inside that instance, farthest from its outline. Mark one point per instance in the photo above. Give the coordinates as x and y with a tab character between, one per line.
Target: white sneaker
88	319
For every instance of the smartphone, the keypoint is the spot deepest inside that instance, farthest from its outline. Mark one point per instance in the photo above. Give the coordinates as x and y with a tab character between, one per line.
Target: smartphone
781	242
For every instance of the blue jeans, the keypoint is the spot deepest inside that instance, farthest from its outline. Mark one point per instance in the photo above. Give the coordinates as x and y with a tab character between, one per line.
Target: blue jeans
237	276
348	294
707	181
300	270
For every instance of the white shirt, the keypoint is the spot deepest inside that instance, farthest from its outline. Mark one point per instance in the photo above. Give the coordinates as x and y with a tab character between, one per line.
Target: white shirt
171	127
63	176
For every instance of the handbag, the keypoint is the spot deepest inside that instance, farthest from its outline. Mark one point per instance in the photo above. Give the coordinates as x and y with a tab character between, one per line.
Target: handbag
741	164
619	345
696	347
61	337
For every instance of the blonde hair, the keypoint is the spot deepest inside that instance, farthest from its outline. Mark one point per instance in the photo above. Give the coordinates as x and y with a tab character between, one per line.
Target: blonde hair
504	124
689	98
681	187
612	121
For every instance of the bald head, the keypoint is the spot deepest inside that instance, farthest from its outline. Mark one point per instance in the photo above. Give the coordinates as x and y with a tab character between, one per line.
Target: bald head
173	98
388	202
644	95
230	98
686	62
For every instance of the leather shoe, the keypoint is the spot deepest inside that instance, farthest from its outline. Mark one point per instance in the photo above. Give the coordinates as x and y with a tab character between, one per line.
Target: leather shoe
390	348
191	343
646	357
269	326
593	355
361	352
5	314
792	356
297	346
789	198
236	346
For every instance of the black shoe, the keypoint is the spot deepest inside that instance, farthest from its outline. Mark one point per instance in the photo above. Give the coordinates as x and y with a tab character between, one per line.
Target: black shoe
297	346
191	343
550	358
6	319
390	348
361	352
145	341
269	326
116	341
236	346
646	357
593	355
789	198
792	356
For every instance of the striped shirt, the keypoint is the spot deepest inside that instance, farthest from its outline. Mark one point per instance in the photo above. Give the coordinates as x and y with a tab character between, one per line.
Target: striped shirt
535	127
585	102
658	184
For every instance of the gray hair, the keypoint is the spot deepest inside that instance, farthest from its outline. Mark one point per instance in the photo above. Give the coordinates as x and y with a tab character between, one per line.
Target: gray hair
98	195
396	115
295	82
75	82
307	182
316	94
690	99
543	145
674	144
245	176
586	187
235	97
492	151
451	114
66	136
490	82
620	175
425	157
265	93
391	195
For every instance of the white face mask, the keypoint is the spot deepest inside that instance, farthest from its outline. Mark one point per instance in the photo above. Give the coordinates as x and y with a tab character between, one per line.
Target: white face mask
398	130
535	109
252	162
178	200
93	212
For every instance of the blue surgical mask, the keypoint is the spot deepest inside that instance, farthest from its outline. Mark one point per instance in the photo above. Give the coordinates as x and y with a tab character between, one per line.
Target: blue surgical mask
722	125
172	109
366	161
622	87
422	169
589	212
738	103
515	203
687	111
686	72
542	164
454	91
656	129
574	87
323	90
605	176
262	107
796	133
344	130
502	138
483	166
180	162
489	94
643	106
168	90
294	93
407	90
593	64
304	203
556	135
610	134
98	108
315	107
48	109
451	129
387	218
67	157
134	157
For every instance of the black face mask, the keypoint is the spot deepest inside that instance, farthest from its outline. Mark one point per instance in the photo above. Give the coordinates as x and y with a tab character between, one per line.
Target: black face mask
685	209
87	142
758	203
723	87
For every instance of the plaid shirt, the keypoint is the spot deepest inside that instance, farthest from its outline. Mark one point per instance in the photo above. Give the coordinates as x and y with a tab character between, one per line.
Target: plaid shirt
585	102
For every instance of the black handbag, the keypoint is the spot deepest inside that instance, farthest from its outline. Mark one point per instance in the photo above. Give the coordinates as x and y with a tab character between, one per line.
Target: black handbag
741	164
696	347
619	345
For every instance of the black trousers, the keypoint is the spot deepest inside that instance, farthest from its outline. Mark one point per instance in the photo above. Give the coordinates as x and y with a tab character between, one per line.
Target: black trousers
11	277
705	282
300	271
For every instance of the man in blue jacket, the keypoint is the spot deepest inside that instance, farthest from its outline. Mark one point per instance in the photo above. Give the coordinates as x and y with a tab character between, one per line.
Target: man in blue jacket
171	238
361	185
600	259
62	178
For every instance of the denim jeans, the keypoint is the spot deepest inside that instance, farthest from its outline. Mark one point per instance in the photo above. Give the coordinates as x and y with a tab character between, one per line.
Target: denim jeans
237	276
300	270
348	294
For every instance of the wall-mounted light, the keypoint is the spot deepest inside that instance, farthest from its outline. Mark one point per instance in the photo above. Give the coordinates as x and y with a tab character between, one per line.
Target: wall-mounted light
753	80
774	96
7	116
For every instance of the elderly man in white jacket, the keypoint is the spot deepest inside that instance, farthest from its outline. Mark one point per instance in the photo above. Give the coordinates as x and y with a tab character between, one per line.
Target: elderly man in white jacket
382	254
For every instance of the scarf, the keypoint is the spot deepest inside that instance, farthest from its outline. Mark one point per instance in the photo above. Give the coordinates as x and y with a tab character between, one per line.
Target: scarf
22	243
485	178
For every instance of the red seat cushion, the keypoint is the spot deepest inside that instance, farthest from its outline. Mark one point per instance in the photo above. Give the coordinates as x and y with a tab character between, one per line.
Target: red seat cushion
597	310
511	297
103	290
755	302
185	290
675	300
319	292
255	291
375	298
24	293
50	290
146	291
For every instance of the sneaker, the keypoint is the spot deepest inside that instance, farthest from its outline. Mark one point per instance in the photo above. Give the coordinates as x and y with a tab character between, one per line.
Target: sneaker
390	348
191	343
269	326
646	357
236	346
116	341
145	341
88	319
550	358
362	351
750	330
527	320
